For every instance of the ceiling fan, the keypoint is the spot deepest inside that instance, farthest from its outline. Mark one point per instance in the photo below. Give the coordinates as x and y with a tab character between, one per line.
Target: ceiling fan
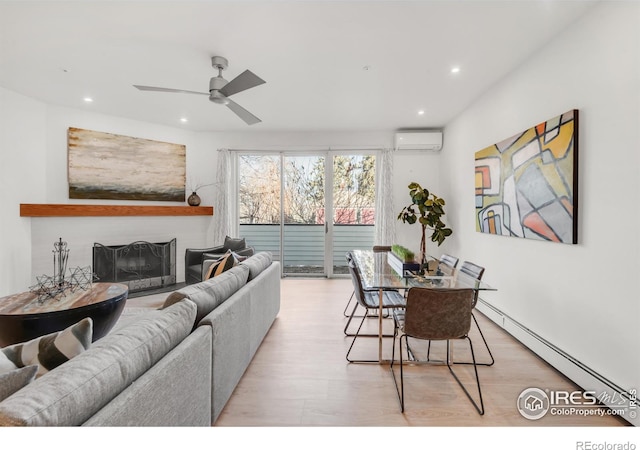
220	89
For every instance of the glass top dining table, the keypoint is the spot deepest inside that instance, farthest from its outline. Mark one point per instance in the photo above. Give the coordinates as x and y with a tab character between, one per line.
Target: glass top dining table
378	274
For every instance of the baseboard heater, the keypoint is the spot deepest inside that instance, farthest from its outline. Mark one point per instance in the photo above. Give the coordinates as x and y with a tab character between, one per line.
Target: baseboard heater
576	371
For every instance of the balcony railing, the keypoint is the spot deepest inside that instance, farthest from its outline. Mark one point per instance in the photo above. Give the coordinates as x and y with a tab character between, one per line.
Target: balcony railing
304	244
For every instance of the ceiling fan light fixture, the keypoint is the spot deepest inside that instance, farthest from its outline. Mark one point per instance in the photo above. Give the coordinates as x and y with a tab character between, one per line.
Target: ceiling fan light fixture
217	97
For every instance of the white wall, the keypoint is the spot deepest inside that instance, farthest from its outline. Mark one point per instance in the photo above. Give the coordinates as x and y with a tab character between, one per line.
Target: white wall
23	179
423	168
33	152
38	133
583	298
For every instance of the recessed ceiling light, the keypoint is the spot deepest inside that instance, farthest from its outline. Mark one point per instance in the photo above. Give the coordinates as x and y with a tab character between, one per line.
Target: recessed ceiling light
184	120
88	99
421	112
455	69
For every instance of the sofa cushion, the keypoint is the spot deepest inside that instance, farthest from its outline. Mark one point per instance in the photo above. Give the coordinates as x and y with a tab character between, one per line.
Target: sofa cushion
16	379
75	391
234	243
51	350
257	263
209	294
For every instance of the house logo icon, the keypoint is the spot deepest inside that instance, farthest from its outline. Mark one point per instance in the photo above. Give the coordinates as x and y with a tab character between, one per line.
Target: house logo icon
533	403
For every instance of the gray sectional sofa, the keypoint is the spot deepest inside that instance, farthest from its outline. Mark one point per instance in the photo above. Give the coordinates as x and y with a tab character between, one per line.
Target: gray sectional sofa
175	366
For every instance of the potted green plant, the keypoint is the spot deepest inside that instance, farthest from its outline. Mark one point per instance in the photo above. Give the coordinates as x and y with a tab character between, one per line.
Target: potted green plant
427	209
403	253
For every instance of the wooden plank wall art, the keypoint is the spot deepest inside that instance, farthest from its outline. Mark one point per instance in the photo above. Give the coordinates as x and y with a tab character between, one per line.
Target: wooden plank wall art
527	185
110	166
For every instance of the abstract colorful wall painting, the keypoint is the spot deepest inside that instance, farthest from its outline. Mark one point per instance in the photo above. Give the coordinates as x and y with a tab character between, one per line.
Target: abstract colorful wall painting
527	185
111	166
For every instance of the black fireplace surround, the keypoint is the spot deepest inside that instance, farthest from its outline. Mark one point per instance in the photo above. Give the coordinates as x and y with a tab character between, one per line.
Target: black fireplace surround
140	265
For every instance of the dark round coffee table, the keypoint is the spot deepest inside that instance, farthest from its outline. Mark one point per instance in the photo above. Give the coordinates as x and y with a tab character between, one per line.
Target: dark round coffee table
24	317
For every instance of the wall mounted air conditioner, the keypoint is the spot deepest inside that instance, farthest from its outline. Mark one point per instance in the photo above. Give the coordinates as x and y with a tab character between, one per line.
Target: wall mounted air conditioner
419	140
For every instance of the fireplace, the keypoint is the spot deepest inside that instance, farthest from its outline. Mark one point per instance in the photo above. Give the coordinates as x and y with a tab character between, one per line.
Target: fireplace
140	265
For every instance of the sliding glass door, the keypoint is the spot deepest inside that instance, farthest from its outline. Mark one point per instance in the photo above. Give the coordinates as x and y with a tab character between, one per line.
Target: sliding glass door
306	212
353	194
259	202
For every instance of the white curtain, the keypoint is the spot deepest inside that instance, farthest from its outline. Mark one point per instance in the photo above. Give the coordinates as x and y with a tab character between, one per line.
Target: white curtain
225	217
385	227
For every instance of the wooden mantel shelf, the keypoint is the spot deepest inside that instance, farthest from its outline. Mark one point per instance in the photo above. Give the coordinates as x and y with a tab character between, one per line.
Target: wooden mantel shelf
76	210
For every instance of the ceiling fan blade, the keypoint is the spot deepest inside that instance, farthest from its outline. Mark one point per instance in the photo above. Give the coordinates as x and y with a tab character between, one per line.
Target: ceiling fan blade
160	89
242	82
245	115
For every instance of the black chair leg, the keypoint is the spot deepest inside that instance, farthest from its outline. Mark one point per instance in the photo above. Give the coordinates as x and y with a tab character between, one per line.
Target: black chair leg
365	316
356	336
485	342
350	319
347	306
400	391
479	407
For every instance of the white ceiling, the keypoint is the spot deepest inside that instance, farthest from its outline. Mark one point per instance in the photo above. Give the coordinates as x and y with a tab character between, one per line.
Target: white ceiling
312	55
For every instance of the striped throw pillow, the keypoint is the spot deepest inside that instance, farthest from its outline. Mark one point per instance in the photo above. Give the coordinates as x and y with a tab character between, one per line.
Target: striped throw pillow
222	265
51	350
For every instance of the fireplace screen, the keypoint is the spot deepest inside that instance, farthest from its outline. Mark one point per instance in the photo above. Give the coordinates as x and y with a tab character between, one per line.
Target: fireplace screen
140	265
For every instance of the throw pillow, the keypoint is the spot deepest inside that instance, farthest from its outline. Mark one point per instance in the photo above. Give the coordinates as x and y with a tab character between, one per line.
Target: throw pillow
239	258
6	365
51	350
234	244
222	265
15	380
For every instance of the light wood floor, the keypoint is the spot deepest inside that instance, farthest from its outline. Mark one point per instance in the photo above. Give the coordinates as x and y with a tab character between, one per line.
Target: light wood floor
299	376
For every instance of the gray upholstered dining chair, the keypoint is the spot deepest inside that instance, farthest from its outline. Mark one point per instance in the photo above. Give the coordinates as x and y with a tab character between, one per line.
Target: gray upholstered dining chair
435	315
370	301
476	272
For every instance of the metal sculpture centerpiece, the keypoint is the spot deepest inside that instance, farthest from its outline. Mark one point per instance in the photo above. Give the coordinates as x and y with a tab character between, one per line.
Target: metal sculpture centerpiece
49	287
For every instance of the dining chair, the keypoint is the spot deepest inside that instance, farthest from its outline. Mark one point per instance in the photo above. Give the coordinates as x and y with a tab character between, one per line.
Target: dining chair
349	256
476	272
435	315
449	260
370	301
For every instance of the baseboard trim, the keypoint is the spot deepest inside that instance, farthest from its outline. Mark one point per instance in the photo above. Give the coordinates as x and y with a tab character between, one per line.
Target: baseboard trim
582	375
